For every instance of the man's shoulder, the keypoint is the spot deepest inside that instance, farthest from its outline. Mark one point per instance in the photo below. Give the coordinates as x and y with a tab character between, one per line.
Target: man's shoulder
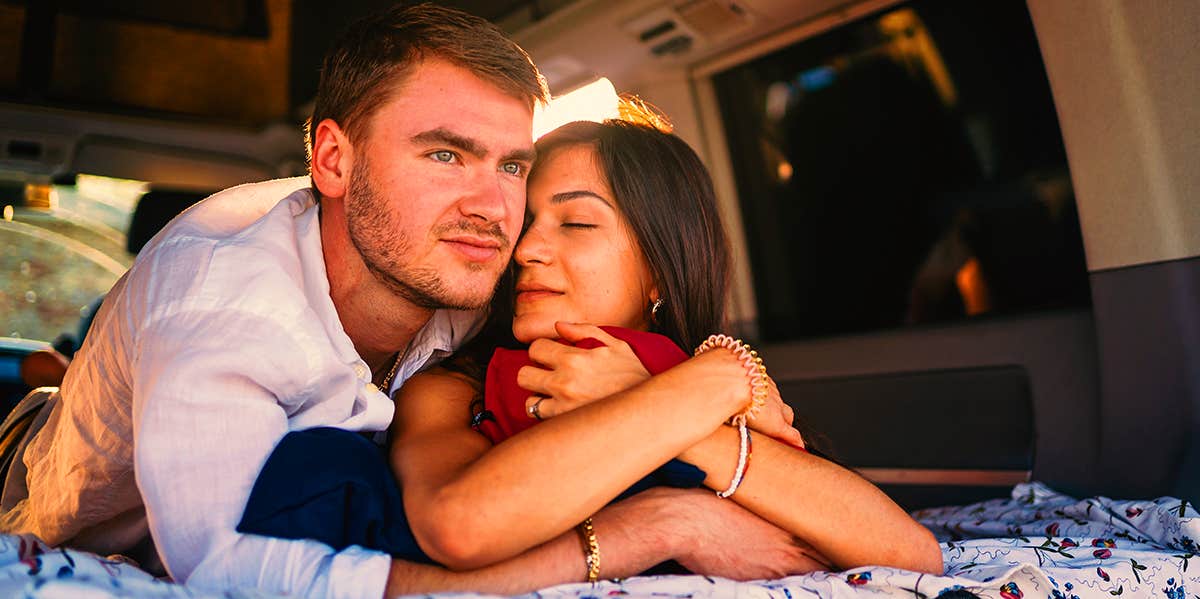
244	246
229	213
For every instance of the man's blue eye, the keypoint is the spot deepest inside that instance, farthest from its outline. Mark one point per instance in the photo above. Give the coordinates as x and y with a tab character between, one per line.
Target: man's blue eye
443	156
512	168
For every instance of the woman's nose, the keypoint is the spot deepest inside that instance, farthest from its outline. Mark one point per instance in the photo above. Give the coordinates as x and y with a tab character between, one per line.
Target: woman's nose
532	248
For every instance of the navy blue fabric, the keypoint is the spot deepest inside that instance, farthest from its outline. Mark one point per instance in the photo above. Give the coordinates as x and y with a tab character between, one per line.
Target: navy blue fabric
336	487
675	473
332	486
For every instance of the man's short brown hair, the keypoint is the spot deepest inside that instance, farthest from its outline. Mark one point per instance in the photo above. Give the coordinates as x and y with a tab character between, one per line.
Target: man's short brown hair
370	59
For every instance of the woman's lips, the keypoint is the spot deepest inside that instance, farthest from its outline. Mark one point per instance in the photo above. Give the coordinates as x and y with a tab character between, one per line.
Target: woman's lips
534	293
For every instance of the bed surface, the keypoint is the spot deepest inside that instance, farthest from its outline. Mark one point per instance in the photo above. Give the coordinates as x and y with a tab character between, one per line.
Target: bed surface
1035	544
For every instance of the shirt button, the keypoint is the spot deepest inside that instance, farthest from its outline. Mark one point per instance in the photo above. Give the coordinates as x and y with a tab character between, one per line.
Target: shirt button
360	371
371	388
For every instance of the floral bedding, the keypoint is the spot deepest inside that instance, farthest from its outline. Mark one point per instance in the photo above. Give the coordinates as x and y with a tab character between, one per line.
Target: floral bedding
1037	543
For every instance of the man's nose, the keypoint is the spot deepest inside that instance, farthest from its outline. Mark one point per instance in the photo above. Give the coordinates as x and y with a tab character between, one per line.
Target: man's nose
487	198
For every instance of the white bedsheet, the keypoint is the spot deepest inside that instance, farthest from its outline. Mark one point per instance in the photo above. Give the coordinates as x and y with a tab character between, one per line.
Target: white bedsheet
1036	544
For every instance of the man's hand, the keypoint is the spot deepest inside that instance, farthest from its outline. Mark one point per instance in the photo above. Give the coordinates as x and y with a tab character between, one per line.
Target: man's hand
573	377
725	539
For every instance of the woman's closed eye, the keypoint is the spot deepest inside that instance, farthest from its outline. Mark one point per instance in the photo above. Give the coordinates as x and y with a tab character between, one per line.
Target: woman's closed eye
579	225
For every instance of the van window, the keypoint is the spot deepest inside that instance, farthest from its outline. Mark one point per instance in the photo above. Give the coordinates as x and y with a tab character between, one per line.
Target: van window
901	169
63	247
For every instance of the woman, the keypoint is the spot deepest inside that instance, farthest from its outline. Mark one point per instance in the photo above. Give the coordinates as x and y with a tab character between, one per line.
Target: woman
621	216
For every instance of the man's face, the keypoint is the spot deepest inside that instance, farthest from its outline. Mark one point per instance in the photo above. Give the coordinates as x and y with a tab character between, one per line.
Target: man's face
437	191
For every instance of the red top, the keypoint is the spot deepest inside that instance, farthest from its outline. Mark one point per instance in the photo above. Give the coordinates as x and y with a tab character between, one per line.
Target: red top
505	399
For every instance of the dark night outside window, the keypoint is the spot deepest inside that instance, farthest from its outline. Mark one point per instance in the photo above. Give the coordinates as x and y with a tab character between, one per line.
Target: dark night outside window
902	169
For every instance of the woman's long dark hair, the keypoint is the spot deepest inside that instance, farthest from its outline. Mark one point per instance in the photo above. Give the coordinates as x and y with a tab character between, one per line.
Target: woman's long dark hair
666	196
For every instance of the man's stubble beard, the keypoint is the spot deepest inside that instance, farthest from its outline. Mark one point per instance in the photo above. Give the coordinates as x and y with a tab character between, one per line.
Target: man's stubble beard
383	248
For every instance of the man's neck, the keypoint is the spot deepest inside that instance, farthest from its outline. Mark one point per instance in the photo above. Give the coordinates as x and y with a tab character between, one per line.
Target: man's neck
379	323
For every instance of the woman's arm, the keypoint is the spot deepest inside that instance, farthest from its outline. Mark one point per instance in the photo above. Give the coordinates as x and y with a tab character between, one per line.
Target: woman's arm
692	526
471	504
844	517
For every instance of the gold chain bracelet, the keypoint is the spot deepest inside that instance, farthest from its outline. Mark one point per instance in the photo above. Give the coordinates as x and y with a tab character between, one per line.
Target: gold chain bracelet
591	548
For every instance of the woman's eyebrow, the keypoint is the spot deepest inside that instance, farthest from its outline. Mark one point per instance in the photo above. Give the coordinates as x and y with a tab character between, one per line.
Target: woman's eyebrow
566	196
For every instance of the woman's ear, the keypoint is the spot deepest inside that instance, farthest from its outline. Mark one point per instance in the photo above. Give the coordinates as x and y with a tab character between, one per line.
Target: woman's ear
332	159
656	303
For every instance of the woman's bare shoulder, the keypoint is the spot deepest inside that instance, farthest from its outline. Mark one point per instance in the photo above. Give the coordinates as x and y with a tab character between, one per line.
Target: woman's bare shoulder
442	380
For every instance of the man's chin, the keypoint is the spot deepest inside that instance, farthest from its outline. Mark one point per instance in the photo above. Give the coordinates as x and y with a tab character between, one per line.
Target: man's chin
468	303
431	292
446	299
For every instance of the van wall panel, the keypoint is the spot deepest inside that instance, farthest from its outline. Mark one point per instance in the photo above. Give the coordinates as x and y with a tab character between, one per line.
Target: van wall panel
1125	79
1148	333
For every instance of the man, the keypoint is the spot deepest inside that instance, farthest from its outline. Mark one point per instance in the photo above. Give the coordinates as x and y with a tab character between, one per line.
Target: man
278	306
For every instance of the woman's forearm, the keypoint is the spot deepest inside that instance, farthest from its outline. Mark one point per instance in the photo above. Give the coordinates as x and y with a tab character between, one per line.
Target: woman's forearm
547	479
843	516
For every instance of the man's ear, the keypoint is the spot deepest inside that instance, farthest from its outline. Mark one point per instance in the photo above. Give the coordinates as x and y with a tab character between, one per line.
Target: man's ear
332	159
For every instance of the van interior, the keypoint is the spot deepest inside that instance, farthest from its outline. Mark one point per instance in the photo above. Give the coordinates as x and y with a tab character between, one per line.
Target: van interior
967	234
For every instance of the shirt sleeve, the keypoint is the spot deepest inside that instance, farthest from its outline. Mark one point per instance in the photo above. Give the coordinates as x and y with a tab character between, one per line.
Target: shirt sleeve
212	395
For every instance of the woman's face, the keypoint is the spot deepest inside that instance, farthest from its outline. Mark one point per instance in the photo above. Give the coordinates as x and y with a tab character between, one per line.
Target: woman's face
577	260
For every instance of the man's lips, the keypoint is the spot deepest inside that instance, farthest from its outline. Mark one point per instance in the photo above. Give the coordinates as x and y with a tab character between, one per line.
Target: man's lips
476	249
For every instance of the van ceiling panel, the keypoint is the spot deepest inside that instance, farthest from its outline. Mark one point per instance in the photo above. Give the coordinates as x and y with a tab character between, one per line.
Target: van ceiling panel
176	168
244	62
239	18
101	61
605	35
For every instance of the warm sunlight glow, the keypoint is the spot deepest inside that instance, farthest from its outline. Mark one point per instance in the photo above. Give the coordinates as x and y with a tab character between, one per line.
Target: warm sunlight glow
41	196
595	101
122	194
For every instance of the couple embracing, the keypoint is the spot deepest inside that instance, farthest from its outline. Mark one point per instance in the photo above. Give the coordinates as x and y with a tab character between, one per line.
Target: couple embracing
286	340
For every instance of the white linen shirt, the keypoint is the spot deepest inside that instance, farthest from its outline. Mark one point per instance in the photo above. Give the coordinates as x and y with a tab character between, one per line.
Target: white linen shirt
219	340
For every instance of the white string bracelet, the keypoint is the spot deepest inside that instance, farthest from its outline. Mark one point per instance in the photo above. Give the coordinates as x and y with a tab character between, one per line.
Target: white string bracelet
744	450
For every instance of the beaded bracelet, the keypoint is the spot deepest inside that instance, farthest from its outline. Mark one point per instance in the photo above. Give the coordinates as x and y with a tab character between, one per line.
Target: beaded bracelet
754	369
591	549
745	448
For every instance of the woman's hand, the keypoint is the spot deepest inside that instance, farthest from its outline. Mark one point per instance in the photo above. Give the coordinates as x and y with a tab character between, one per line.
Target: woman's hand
775	419
572	377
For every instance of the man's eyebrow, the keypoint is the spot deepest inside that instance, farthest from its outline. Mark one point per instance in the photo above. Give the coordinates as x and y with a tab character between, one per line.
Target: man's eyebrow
442	135
526	155
566	196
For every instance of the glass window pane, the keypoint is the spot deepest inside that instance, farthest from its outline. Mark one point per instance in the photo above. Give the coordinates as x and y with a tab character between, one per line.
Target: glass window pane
61	248
904	168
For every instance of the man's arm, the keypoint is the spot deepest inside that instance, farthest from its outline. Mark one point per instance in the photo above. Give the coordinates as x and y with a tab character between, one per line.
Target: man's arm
704	533
207	411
